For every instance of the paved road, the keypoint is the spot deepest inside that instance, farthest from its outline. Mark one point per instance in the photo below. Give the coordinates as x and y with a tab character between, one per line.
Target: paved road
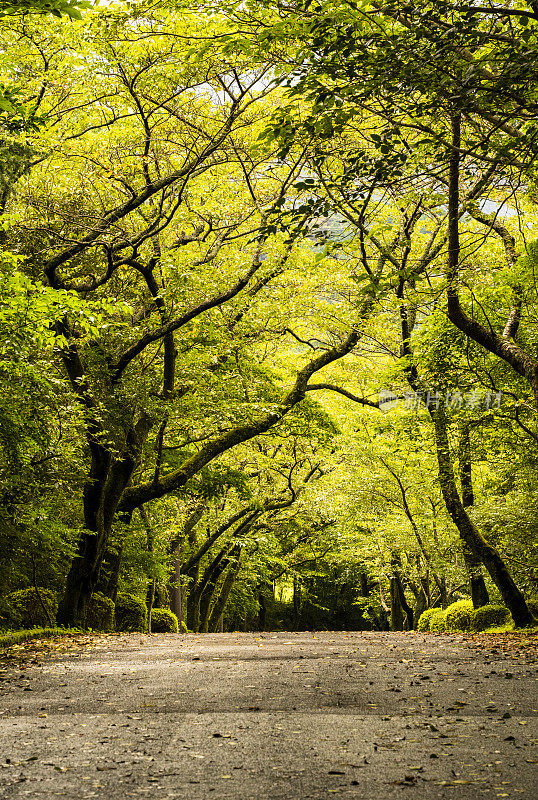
288	715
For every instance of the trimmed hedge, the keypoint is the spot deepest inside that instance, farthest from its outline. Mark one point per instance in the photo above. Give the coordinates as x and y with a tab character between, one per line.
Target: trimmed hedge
131	613
163	621
438	621
100	613
459	615
490	616
423	624
23	609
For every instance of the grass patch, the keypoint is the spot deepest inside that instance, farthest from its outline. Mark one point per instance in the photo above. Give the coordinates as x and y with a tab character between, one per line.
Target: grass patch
11	638
509	627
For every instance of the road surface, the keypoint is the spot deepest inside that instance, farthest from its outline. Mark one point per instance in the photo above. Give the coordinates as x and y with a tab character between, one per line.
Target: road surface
282	716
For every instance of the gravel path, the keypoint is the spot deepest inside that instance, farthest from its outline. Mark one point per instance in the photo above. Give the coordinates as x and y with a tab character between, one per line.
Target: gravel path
270	716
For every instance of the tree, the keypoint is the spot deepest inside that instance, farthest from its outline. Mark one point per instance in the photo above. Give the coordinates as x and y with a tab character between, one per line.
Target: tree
195	241
162	215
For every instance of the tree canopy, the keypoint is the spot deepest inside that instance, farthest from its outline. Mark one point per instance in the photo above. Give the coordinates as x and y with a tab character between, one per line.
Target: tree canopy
268	310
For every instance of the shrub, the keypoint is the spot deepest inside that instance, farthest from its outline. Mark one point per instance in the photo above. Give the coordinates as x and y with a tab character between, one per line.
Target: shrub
424	619
23	609
131	613
163	621
490	616
183	627
100	613
458	616
438	621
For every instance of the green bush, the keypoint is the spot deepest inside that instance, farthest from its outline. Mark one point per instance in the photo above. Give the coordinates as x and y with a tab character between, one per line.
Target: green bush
438	621
163	621
100	613
23	609
131	613
458	616
183	627
424	619
490	616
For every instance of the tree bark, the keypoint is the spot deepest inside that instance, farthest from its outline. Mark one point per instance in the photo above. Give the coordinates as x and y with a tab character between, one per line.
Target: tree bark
396	610
219	566
397	595
470	535
176	594
479	590
200	594
102	494
108	582
216	619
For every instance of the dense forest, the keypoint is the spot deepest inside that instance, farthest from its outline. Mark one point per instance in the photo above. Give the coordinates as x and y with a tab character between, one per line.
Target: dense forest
268	315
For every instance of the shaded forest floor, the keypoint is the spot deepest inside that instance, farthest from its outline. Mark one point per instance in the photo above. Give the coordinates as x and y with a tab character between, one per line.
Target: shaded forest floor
274	715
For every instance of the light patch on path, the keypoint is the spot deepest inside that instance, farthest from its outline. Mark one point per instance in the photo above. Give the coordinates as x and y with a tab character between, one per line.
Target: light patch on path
276	716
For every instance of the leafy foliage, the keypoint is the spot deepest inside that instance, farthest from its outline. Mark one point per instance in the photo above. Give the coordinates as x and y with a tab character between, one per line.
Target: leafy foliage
459	616
423	624
100	613
130	613
163	621
438	621
489	616
227	321
24	609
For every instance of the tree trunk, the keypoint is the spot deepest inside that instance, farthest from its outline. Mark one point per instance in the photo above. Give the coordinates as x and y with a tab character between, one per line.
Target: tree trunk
110	572
220	565
176	596
193	611
216	618
81	580
479	591
421	602
176	548
401	601
470	535
262	613
102	494
296	601
396	610
149	600
201	593
502	344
